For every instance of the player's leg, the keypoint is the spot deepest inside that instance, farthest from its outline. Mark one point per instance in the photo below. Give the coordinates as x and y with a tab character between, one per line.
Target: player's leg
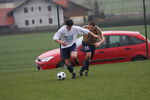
86	50
73	51
89	56
75	58
66	57
86	62
69	66
85	66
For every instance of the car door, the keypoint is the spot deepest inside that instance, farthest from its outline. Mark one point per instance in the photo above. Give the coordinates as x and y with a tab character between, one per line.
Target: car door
131	46
110	51
127	49
101	54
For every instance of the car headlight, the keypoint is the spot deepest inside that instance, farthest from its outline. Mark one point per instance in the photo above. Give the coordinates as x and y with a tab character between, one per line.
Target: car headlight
47	59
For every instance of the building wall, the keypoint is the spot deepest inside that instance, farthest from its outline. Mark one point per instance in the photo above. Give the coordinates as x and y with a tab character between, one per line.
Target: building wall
37	14
6	5
75	10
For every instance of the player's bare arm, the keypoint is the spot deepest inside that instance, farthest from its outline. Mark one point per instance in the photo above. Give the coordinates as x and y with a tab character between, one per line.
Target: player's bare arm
101	37
96	36
61	42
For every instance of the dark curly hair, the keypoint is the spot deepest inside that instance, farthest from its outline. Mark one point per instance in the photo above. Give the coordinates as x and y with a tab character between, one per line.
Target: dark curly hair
69	22
92	23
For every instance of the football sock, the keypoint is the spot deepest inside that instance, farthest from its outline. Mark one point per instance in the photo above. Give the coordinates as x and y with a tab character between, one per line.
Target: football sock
86	64
76	62
86	73
82	69
74	75
70	68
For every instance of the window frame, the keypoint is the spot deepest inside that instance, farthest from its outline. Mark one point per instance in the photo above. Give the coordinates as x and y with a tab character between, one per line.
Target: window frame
25	10
33	21
50	21
49	8
27	22
40	8
32	9
40	20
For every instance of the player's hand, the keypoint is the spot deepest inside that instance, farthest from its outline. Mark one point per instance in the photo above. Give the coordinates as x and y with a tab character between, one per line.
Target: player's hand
63	44
96	36
97	44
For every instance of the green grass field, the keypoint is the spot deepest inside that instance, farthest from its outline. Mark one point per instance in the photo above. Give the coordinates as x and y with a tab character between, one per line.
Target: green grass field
120	81
20	81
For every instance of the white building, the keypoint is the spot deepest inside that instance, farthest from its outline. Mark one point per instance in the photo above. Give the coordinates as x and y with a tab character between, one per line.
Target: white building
6	5
32	14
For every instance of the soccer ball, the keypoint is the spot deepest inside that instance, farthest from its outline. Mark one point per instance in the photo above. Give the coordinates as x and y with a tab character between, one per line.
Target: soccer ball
61	75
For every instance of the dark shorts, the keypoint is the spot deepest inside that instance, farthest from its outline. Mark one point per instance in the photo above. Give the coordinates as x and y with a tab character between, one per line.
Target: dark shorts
66	52
88	48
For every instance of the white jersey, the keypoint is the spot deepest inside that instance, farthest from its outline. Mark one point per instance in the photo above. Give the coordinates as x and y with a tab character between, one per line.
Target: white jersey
69	36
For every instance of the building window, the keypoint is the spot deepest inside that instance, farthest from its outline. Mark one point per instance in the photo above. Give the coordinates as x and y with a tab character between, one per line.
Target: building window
32	9
40	21
26	22
49	8
25	10
33	21
39	8
50	21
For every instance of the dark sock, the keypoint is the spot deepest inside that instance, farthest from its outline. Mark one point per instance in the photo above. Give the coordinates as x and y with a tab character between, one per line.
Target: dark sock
82	69
86	73
86	64
76	62
70	68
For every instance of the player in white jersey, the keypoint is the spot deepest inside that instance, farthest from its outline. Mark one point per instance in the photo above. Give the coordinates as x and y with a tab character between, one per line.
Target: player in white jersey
67	36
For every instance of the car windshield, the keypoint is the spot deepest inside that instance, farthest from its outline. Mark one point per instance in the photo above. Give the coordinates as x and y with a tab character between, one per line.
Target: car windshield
79	41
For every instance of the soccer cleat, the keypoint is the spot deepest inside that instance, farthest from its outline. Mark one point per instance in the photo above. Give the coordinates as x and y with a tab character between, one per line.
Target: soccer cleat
80	72
38	68
86	74
74	75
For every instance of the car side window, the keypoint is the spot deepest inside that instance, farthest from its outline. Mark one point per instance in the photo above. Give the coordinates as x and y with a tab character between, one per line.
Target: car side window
124	40
136	40
128	40
119	40
132	41
114	41
110	41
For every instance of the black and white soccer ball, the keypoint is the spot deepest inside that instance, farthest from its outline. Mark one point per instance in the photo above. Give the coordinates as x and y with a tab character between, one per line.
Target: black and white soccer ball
61	75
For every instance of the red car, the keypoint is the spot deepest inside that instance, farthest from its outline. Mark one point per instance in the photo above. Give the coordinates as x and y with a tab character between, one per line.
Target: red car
119	46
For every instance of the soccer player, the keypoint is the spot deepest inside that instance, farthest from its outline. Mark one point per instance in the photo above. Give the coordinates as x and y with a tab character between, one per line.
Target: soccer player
89	45
67	36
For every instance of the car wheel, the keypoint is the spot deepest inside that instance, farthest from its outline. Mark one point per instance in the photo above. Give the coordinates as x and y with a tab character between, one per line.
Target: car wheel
139	58
38	68
60	64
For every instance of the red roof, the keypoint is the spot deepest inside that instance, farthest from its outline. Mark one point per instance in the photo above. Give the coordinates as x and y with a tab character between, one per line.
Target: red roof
5	19
63	3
